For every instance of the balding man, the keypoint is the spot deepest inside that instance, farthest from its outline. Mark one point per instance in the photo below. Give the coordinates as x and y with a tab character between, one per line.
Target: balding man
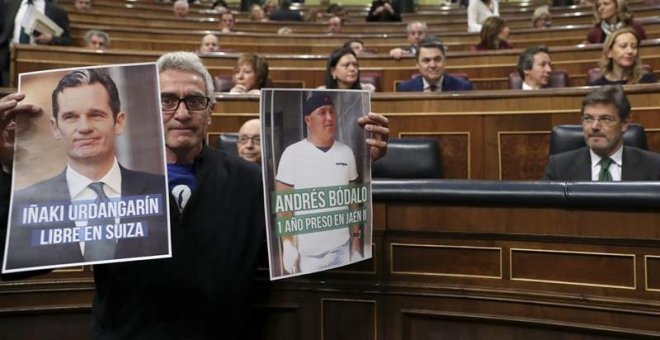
417	31
209	44
180	9
249	141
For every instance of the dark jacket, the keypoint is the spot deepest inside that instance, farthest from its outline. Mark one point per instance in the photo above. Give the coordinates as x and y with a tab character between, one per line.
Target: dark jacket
575	165
449	83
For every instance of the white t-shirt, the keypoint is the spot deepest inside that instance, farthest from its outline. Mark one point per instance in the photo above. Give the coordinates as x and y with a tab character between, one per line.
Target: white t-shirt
303	166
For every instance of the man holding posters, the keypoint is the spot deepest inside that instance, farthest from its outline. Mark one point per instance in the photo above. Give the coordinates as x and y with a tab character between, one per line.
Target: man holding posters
203	291
95	209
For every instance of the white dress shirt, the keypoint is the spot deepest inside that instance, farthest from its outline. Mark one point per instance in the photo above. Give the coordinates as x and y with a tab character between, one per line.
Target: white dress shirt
22	10
80	191
615	167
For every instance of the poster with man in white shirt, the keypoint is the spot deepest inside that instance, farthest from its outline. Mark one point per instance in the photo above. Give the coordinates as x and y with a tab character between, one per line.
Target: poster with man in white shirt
317	171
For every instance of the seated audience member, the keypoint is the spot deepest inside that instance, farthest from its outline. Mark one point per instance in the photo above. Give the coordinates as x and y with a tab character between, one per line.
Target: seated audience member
534	67
284	13
96	39
494	34
338	10
343	72
605	116
257	13
209	44
356	45
269	7
227	22
612	15
10	32
541	17
249	141
180	9
621	63
431	61
416	32
334	25
480	10
384	10
83	5
220	6
250	74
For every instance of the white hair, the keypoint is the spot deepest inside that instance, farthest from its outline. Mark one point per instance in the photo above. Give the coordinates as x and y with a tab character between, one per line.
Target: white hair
187	62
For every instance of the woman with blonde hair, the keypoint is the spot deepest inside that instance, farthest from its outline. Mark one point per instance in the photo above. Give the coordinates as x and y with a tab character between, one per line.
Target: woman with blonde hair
621	63
612	15
494	34
250	74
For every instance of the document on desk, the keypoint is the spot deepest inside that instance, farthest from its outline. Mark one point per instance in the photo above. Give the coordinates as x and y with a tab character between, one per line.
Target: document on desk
317	179
89	182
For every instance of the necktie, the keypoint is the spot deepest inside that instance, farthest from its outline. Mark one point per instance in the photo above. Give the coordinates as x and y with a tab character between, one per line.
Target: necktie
99	249
433	88
23	37
604	175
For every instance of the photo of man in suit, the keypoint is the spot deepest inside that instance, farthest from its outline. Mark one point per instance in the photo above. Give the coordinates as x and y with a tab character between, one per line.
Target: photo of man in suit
431	59
12	12
86	119
605	117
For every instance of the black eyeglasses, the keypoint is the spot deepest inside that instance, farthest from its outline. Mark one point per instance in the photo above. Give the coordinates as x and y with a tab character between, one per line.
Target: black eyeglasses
171	103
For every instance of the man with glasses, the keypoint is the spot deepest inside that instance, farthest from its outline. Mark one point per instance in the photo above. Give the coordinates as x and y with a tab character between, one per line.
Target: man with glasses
249	141
86	119
605	117
217	223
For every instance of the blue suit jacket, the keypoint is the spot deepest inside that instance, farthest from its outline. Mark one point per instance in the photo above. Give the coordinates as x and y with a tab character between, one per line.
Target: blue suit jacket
20	254
449	83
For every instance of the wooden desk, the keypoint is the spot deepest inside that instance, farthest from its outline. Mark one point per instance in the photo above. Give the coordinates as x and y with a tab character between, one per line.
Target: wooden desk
487	70
483	134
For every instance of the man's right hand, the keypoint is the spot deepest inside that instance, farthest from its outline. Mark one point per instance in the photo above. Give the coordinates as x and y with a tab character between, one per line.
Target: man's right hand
9	110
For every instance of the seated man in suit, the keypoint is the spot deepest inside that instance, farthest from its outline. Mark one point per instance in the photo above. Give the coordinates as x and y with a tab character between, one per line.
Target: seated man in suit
12	13
534	67
416	31
431	64
249	141
605	116
86	119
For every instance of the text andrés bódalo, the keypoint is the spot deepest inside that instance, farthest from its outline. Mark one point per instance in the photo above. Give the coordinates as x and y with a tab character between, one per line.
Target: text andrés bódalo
301	211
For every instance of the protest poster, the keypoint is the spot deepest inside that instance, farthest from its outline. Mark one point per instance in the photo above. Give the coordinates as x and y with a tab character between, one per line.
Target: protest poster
317	179
89	183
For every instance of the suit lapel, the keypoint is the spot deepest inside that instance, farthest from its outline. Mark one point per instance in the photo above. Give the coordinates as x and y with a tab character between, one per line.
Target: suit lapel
630	169
67	252
581	169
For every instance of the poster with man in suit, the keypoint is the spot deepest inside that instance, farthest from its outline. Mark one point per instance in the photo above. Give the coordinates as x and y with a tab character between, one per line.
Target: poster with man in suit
89	182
